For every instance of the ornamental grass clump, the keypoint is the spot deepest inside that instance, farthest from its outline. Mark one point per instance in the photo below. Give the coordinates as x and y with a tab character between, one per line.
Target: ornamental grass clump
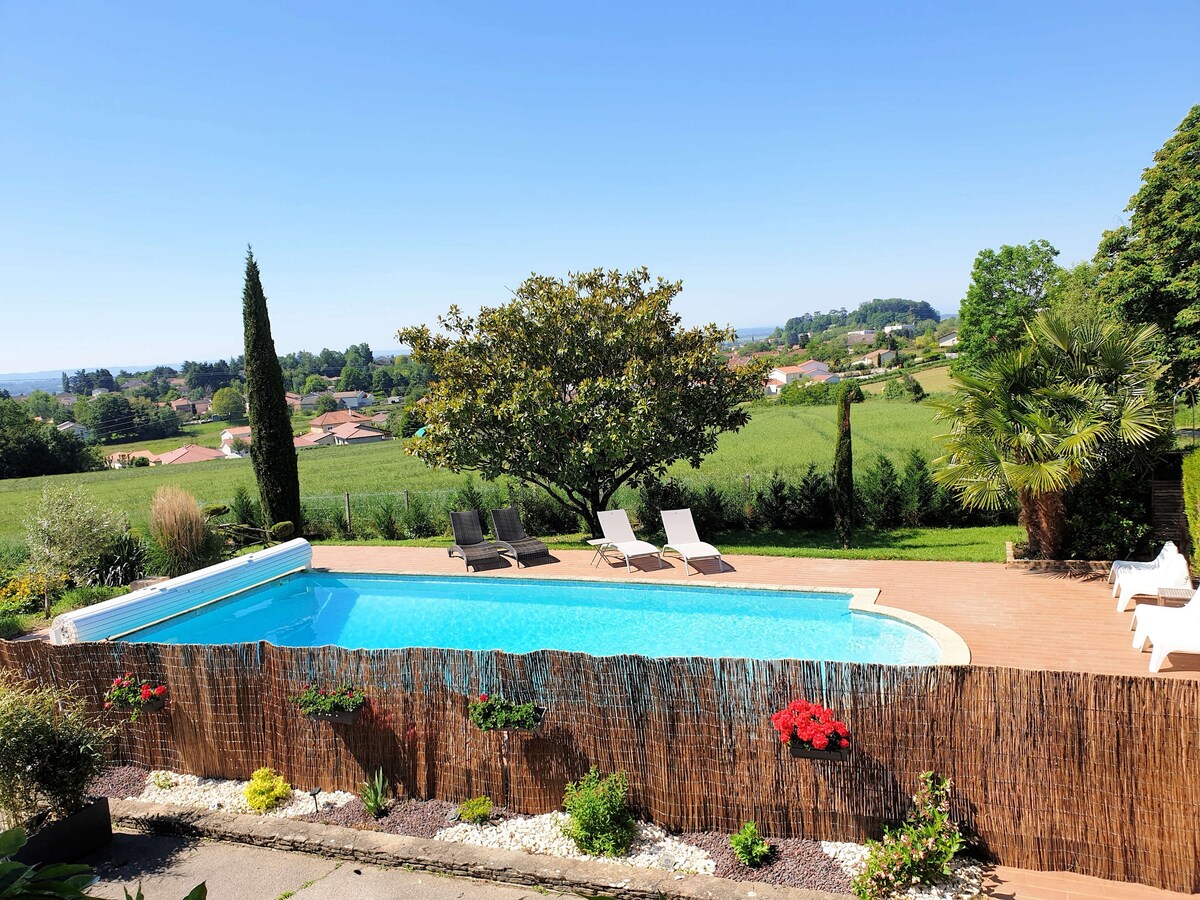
266	790
134	694
490	713
600	821
184	539
374	795
919	851
749	847
316	699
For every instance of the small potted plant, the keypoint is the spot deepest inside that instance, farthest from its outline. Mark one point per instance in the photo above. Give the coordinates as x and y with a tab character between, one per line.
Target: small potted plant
335	705
136	695
811	731
498	714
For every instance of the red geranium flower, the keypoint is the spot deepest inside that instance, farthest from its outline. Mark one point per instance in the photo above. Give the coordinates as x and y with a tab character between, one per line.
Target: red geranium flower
160	690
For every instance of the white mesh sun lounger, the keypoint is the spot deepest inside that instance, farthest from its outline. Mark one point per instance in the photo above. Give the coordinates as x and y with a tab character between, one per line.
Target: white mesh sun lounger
1173	573
1168	630
682	539
1124	567
619	538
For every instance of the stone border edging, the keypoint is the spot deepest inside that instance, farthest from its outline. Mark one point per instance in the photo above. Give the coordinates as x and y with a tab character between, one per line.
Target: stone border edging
1077	567
447	858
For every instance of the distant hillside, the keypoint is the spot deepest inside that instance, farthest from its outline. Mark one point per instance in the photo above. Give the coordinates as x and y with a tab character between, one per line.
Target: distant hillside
872	314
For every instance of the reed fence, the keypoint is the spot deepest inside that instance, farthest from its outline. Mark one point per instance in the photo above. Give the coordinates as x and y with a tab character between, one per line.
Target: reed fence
1096	774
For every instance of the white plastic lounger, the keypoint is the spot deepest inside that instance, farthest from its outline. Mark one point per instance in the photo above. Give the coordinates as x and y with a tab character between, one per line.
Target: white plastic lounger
682	539
1173	573
619	538
1168	630
1122	567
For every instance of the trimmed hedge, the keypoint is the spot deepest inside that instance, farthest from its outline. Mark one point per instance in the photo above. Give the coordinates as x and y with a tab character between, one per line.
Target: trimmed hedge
1191	500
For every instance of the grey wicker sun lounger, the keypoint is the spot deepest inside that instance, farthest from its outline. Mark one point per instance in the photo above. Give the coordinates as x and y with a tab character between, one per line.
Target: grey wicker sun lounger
469	542
510	534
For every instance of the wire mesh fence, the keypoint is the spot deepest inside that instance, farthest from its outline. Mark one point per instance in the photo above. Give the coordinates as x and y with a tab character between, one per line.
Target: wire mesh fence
1052	770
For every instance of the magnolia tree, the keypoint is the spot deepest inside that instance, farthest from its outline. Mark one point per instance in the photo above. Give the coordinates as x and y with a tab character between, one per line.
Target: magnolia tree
578	386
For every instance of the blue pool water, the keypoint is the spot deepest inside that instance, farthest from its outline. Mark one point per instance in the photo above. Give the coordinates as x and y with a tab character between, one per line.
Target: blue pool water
520	615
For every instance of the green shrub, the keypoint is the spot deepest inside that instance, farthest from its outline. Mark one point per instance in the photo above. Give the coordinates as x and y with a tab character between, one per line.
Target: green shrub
30	591
12	558
244	509
10	626
266	790
918	852
1191	499
749	846
882	495
282	531
1109	516
385	518
600	820
419	521
49	751
121	562
87	595
374	795
489	713
477	810
68	532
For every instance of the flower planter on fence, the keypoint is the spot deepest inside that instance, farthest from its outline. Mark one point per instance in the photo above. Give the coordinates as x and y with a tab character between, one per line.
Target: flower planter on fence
154	704
802	751
68	839
336	717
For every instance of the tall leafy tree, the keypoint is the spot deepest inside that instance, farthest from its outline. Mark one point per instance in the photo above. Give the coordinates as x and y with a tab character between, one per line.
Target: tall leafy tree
1034	421
229	403
579	386
1008	287
271	452
843	472
1150	268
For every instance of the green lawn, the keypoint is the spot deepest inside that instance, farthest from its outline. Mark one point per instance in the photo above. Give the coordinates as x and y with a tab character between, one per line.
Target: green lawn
935	380
784	439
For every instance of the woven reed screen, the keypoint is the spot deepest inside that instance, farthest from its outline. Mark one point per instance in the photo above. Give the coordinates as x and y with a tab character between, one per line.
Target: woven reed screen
1096	774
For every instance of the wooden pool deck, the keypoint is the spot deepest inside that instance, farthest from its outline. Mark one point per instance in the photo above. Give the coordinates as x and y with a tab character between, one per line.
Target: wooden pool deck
1007	617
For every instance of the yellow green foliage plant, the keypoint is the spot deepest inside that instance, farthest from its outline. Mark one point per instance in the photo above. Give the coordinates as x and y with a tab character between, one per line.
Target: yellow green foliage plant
266	790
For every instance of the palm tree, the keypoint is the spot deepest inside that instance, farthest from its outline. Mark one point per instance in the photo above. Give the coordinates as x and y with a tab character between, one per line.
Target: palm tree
1037	419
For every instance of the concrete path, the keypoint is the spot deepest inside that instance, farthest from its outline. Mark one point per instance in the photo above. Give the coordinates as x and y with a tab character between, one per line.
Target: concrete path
168	867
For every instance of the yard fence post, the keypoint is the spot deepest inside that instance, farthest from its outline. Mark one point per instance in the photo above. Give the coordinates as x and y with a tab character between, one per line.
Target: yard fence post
747	482
406	501
349	527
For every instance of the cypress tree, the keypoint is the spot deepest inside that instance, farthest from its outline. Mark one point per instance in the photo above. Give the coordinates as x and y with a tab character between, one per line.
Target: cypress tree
271	449
843	473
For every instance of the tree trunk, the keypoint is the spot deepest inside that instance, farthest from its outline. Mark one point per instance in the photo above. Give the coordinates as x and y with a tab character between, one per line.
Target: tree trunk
1044	516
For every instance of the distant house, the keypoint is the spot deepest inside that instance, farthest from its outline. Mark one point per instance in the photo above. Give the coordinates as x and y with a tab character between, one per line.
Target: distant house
827	377
772	387
96	392
330	420
949	339
781	376
294	401
66	398
183	406
395	400
353	399
866	336
80	431
201	407
379	419
357	433
899	329
229	435
189	453
133	384
125	460
177	382
308	403
314	439
877	359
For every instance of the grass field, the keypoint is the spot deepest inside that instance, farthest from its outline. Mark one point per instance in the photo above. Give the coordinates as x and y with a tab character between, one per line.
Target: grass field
784	439
935	380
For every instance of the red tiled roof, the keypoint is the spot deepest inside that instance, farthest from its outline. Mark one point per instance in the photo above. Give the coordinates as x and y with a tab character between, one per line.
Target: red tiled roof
355	430
189	453
338	417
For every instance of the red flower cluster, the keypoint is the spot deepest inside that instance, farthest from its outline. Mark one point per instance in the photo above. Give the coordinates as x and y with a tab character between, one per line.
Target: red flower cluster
132	693
811	724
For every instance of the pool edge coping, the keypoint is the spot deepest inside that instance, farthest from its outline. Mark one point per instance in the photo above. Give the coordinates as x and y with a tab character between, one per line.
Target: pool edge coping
954	651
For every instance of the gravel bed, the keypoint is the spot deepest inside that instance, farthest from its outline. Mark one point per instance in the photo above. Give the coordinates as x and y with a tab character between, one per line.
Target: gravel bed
653	848
795	862
120	782
415	818
218	793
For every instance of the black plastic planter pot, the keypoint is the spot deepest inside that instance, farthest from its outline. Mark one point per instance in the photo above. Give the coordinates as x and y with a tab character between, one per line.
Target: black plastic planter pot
340	717
70	838
154	704
799	751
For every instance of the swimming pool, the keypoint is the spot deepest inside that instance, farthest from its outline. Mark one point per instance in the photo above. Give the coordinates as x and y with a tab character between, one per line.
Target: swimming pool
519	615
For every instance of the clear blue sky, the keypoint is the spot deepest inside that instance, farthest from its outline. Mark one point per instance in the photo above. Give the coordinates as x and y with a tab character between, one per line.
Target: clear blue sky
388	159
